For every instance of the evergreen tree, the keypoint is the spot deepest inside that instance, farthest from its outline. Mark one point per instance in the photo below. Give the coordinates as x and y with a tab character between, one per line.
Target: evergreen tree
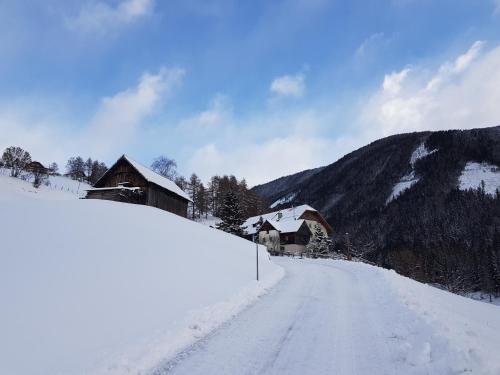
319	244
230	214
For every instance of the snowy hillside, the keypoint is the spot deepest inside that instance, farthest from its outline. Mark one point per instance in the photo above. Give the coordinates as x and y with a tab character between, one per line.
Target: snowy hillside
407	181
103	287
475	173
58	187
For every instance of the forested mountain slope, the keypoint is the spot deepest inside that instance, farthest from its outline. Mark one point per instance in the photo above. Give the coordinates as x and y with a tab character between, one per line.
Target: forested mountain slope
422	203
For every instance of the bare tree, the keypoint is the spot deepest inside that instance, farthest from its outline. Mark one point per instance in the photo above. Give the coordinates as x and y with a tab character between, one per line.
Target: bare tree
75	168
16	159
53	168
40	176
165	166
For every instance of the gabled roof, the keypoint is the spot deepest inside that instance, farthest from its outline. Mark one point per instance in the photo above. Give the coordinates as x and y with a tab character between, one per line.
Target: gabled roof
287	226
289	218
152	177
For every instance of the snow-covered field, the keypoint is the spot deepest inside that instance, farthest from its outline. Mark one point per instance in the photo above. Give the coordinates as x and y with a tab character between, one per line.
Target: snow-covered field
59	187
474	173
91	286
339	317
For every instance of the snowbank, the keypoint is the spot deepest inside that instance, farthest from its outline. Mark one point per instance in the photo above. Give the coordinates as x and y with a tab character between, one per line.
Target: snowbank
93	286
469	327
437	332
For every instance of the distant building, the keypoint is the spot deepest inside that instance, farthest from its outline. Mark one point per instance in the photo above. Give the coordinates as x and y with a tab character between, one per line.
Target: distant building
286	231
36	167
131	182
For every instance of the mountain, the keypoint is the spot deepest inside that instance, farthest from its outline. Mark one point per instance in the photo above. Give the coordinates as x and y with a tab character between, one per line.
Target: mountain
422	203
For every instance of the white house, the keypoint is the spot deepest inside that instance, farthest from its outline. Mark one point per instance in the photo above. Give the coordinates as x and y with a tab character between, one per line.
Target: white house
286	231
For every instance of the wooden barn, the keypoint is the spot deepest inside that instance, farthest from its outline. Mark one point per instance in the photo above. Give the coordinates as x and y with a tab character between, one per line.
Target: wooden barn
131	182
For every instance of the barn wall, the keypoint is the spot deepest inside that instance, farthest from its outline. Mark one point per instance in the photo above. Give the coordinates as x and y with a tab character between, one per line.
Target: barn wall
116	195
165	200
121	172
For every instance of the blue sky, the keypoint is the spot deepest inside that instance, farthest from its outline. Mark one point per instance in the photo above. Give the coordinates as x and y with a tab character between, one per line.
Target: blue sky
259	89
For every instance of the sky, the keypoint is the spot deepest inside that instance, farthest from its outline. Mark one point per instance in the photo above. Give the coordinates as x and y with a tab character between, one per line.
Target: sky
258	89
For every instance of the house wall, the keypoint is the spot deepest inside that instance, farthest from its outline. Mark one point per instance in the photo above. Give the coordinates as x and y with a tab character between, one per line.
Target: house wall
313	217
270	239
311	224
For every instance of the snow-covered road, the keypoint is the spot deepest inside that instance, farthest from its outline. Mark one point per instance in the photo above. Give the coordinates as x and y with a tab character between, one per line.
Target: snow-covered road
325	317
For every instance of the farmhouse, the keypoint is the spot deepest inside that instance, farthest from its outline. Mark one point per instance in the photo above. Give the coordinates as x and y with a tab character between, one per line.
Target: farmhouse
286	231
131	182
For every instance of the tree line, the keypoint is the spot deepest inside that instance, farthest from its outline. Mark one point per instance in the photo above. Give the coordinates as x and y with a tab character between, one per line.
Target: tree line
216	196
21	165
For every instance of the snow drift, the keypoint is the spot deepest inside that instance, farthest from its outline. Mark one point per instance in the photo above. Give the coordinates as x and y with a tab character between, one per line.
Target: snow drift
94	286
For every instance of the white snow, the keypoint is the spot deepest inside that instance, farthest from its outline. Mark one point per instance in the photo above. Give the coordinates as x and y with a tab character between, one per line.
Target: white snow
59	187
210	220
474	173
100	287
283	200
405	183
286	226
420	152
338	317
410	179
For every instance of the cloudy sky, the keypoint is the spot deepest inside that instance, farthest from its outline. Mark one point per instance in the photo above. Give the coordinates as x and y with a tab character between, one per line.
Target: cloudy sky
259	89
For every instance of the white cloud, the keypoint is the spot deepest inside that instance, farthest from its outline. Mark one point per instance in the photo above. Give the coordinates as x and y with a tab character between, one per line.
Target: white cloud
369	43
257	150
118	117
112	128
289	86
100	17
463	93
218	114
392	82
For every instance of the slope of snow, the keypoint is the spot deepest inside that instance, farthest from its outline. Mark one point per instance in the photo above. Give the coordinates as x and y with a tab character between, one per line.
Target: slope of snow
209	221
470	328
338	317
420	152
91	286
407	181
474	173
59	187
283	200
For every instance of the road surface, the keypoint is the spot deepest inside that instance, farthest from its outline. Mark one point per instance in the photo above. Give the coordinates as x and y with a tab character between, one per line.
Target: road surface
324	317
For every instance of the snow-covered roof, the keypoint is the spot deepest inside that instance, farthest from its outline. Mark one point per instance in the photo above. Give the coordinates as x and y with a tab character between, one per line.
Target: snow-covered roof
156	178
289	219
287	226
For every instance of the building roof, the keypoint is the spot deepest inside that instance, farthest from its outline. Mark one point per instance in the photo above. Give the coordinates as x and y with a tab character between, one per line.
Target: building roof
154	178
287	226
289	219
